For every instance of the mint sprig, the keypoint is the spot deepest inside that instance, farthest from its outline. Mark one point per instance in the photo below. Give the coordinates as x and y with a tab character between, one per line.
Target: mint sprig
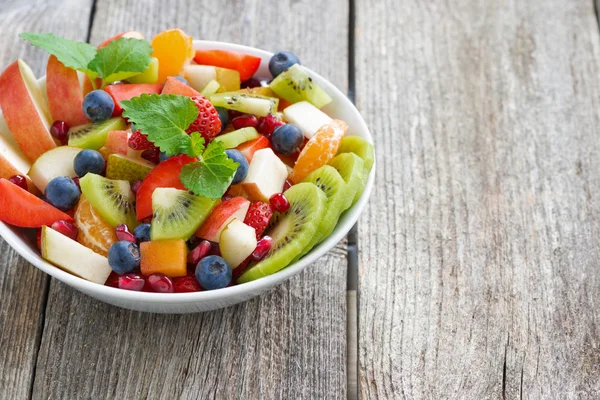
164	119
120	59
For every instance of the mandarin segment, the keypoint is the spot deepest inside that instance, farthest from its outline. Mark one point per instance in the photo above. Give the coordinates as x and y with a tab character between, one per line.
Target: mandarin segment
173	49
321	148
93	232
168	257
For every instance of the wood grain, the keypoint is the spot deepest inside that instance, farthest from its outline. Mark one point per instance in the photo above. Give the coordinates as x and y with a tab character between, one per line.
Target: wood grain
290	343
23	287
480	249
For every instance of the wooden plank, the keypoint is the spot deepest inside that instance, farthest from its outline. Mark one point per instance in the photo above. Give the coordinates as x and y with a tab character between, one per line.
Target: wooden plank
289	343
23	288
479	249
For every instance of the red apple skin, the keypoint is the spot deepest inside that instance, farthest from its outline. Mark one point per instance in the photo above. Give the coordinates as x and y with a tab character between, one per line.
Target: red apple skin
7	170
128	34
175	86
65	97
26	125
220	216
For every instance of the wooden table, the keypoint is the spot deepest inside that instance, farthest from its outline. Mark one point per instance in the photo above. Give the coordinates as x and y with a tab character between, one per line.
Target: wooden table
478	256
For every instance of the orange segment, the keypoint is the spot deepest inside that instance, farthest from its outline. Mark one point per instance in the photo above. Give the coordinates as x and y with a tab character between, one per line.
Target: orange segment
167	257
94	232
174	49
321	148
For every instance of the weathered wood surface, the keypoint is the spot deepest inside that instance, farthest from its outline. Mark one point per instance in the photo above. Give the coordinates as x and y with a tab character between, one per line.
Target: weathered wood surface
288	344
479	261
23	289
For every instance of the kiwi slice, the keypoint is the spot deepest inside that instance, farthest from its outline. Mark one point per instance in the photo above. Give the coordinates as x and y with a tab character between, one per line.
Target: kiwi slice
254	104
352	169
112	199
235	138
210	88
339	198
360	147
177	213
291	231
294	85
93	135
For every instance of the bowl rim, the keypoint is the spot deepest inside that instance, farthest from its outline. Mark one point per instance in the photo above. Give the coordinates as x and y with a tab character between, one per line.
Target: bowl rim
339	233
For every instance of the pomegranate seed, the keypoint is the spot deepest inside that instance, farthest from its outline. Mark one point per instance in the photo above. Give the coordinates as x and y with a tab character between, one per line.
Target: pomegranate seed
226	197
124	234
245	121
233	114
19	180
192	242
76	181
251	83
160	283
135	186
279	202
186	284
131	281
199	252
147	220
286	185
112	280
152	155
66	228
60	130
267	125
215	250
262	248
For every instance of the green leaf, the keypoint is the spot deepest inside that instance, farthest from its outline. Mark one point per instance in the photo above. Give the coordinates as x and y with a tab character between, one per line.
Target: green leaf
164	118
212	175
121	59
76	55
197	144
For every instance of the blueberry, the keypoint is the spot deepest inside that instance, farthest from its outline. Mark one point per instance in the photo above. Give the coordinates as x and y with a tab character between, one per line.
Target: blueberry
287	139
182	79
223	116
142	232
98	105
282	61
62	193
88	161
124	257
242	170
213	272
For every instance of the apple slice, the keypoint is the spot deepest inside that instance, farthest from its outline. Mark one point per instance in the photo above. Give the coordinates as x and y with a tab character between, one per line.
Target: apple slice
308	117
128	34
237	242
25	111
12	160
65	97
175	86
73	257
200	75
53	163
221	216
249	148
266	175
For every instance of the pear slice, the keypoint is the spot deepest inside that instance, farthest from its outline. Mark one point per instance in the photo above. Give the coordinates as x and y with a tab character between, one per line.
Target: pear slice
125	168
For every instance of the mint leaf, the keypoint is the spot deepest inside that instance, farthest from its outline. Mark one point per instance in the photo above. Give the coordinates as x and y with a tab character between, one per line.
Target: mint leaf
164	118
76	55
121	59
197	144
212	174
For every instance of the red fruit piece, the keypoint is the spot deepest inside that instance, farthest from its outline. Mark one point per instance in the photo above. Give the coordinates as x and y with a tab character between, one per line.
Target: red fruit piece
20	208
262	248
186	284
123	233
76	181
258	216
286	185
249	148
60	130
135	186
245	64
207	123
199	252
112	280
19	180
244	121
175	86
139	141
131	281
266	125
160	283
126	91
66	228
152	155
239	270
279	202
166	174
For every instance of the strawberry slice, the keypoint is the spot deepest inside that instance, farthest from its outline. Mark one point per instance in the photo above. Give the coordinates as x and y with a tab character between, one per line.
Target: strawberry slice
245	64
258	217
126	91
175	86
166	174
249	148
18	207
208	123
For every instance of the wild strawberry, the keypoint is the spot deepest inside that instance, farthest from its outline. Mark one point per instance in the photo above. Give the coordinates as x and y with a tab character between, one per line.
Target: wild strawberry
139	141
258	216
208	123
266	125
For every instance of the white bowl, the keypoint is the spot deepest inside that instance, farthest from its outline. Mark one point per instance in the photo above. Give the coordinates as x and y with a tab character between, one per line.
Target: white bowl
340	108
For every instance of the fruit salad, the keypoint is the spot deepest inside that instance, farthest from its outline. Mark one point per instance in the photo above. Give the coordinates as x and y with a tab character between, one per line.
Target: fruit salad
154	166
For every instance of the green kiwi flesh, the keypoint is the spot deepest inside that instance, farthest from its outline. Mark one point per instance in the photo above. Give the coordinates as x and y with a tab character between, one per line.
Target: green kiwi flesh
294	85
177	214
112	199
254	104
352	169
291	231
237	137
360	147
93	135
